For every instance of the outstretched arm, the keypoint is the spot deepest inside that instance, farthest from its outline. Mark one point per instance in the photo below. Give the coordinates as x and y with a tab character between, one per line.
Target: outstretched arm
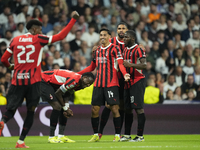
90	68
123	70
142	65
62	34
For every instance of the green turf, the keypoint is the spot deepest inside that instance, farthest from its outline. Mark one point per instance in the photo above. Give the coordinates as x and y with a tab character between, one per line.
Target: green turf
153	142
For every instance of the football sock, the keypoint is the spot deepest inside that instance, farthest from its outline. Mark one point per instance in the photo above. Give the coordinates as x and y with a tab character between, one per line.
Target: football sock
121	112
27	124
95	124
128	123
141	123
104	119
20	141
7	116
53	121
62	123
117	122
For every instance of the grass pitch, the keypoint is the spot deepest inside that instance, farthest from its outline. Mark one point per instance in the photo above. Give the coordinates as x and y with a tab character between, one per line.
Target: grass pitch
153	142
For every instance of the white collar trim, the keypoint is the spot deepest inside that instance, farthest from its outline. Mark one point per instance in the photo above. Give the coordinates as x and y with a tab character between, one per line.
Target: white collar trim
106	46
119	41
132	46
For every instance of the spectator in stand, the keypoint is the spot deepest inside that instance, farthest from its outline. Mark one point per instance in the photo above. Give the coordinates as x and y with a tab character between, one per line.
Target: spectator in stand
181	7
81	24
187	33
21	17
196	22
197	75
85	50
153	31
179	60
46	26
50	62
55	17
96	9
179	76
113	23
90	37
83	62
56	66
37	14
190	84
161	63
137	13
169	95
178	94
8	37
75	57
153	15
189	53
123	15
10	25
129	6
49	8
138	30
170	30
161	39
169	85
67	64
148	71
162	25
159	79
66	51
76	43
76	67
145	10
144	39
71	36
191	95
5	14
152	94
44	62
57	59
80	7
178	43
171	15
154	53
195	40
104	18
196	55
20	30
34	4
88	15
162	7
179	24
3	47
188	68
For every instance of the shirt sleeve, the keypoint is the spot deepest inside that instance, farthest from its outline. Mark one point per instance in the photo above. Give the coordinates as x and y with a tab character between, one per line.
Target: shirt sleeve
141	53
117	53
69	85
44	39
7	54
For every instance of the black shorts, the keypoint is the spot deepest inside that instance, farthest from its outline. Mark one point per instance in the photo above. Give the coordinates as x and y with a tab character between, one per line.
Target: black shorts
16	95
108	94
134	96
47	92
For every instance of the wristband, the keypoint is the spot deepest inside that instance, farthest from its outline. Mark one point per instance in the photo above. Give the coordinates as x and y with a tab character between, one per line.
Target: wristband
66	106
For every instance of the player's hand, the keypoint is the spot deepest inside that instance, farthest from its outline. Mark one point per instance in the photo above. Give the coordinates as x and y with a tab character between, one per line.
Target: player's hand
127	77
94	48
127	64
11	67
68	113
75	15
142	47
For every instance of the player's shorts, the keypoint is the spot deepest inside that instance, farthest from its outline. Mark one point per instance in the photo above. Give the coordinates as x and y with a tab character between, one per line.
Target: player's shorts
108	94
47	92
17	93
134	96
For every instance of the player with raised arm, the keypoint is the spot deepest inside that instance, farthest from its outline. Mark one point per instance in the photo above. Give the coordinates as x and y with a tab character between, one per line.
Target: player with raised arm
63	82
27	51
105	58
135	62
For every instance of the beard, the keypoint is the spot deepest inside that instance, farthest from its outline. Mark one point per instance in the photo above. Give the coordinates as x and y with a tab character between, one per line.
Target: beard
121	36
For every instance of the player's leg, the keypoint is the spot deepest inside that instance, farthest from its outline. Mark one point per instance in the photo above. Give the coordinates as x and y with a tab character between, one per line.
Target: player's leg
97	101
15	98
128	116
104	119
139	100
112	98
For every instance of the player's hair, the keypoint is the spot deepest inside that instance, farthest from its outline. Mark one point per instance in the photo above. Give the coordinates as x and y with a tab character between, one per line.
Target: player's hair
104	29
131	33
33	22
123	23
88	74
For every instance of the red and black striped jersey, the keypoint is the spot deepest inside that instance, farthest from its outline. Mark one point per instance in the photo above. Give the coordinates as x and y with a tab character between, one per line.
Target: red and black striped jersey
118	43
133	55
27	51
63	79
106	59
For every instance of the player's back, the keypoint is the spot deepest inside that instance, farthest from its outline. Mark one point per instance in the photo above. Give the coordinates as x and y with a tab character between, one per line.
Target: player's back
27	52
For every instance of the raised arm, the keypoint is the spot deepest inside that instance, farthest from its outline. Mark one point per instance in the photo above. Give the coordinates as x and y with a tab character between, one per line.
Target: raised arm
90	68
63	33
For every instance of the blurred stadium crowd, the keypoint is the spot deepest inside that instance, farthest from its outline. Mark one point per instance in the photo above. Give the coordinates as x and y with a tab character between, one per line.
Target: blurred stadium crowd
169	30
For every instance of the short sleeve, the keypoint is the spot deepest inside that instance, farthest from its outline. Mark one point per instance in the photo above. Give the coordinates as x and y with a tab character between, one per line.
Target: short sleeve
11	47
70	84
44	39
141	53
117	52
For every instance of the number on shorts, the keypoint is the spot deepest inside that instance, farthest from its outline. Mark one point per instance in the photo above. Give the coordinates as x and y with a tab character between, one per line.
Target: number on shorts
110	94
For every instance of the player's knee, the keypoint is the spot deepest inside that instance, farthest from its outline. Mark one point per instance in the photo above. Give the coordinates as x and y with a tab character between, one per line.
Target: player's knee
95	111
115	109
